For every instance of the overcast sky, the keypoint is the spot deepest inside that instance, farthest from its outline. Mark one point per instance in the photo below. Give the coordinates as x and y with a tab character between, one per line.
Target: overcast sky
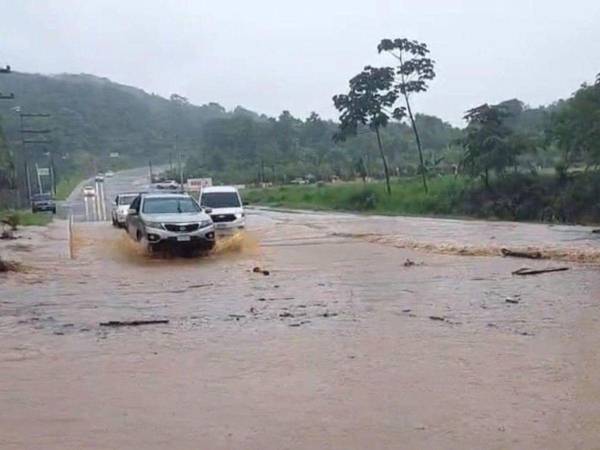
271	55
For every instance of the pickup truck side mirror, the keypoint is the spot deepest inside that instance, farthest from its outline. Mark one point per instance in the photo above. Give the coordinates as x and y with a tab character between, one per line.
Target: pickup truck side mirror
208	210
132	212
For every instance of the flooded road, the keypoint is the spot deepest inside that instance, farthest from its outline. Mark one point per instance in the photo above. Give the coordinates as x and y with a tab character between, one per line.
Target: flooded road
368	332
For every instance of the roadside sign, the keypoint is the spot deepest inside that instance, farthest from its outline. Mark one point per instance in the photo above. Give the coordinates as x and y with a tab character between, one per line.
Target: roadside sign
43	172
196	184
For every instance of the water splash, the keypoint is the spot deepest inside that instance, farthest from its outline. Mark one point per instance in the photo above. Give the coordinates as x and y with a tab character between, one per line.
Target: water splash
240	242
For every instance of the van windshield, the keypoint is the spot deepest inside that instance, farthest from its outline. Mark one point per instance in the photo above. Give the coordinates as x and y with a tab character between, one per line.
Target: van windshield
220	200
126	199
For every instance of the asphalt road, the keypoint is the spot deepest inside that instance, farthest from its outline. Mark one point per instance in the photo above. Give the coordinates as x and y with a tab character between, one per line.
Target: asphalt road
97	208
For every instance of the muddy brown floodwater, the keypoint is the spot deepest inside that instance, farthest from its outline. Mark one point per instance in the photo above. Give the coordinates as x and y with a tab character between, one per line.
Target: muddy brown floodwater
344	345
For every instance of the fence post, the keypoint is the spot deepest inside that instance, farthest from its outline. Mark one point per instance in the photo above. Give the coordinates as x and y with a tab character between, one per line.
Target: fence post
71	244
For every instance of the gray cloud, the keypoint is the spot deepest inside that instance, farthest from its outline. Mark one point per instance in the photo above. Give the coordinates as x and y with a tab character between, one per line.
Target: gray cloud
270	55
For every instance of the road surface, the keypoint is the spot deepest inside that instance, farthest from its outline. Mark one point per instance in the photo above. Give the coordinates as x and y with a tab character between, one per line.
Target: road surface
98	207
368	332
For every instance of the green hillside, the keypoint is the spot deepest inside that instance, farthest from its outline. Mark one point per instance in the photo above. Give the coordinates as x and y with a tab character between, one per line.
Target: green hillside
92	117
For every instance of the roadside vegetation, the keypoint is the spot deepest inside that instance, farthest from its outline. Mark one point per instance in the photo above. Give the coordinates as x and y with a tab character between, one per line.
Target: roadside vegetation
509	161
408	197
66	185
522	197
15	219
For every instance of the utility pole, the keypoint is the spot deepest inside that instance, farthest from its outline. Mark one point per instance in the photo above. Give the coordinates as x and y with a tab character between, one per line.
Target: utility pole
13	182
150	168
180	165
52	173
29	141
39	179
25	161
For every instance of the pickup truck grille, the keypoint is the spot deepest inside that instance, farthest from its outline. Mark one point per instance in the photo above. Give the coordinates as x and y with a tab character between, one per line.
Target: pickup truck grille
223	218
176	228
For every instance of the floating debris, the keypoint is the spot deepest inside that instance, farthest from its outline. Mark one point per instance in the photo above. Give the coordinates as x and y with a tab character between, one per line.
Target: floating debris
132	323
526	271
521	254
259	270
438	318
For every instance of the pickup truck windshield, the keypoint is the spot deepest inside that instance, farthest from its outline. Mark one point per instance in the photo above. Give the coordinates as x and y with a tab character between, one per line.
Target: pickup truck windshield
220	200
170	206
41	197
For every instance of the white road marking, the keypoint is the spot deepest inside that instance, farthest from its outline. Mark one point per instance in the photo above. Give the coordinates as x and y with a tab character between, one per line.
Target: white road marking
101	203
86	201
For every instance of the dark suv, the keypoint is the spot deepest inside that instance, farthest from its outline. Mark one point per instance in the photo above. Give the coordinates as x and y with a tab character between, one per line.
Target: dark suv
43	202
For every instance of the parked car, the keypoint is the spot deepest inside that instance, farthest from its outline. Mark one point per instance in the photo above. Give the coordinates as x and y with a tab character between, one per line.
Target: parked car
120	207
170	185
299	181
109	174
227	209
43	202
89	191
168	220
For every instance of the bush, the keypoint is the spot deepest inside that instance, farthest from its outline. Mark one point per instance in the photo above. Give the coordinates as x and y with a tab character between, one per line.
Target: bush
365	200
13	220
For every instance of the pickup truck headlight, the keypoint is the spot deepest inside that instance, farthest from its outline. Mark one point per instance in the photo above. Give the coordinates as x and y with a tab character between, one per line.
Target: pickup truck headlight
155	225
205	223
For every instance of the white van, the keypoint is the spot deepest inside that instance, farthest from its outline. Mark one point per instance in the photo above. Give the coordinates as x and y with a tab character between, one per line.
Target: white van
226	205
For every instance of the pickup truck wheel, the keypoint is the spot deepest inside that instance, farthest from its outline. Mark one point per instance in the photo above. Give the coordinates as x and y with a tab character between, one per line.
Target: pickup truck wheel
138	235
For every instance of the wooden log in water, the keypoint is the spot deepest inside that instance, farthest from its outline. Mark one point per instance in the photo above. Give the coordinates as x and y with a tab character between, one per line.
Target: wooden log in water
522	254
132	323
526	271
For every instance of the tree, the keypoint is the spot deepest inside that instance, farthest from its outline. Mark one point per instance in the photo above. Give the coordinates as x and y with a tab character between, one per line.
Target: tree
315	138
371	95
576	127
414	70
488	141
179	99
361	168
7	166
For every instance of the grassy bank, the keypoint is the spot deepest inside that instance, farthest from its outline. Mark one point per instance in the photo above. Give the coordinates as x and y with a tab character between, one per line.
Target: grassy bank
66	185
407	197
515	197
26	218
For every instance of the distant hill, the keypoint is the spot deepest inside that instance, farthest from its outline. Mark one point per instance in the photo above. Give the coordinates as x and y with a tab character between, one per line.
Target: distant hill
92	117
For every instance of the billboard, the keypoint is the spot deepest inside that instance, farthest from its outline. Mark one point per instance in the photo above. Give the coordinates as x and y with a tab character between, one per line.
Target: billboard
196	184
